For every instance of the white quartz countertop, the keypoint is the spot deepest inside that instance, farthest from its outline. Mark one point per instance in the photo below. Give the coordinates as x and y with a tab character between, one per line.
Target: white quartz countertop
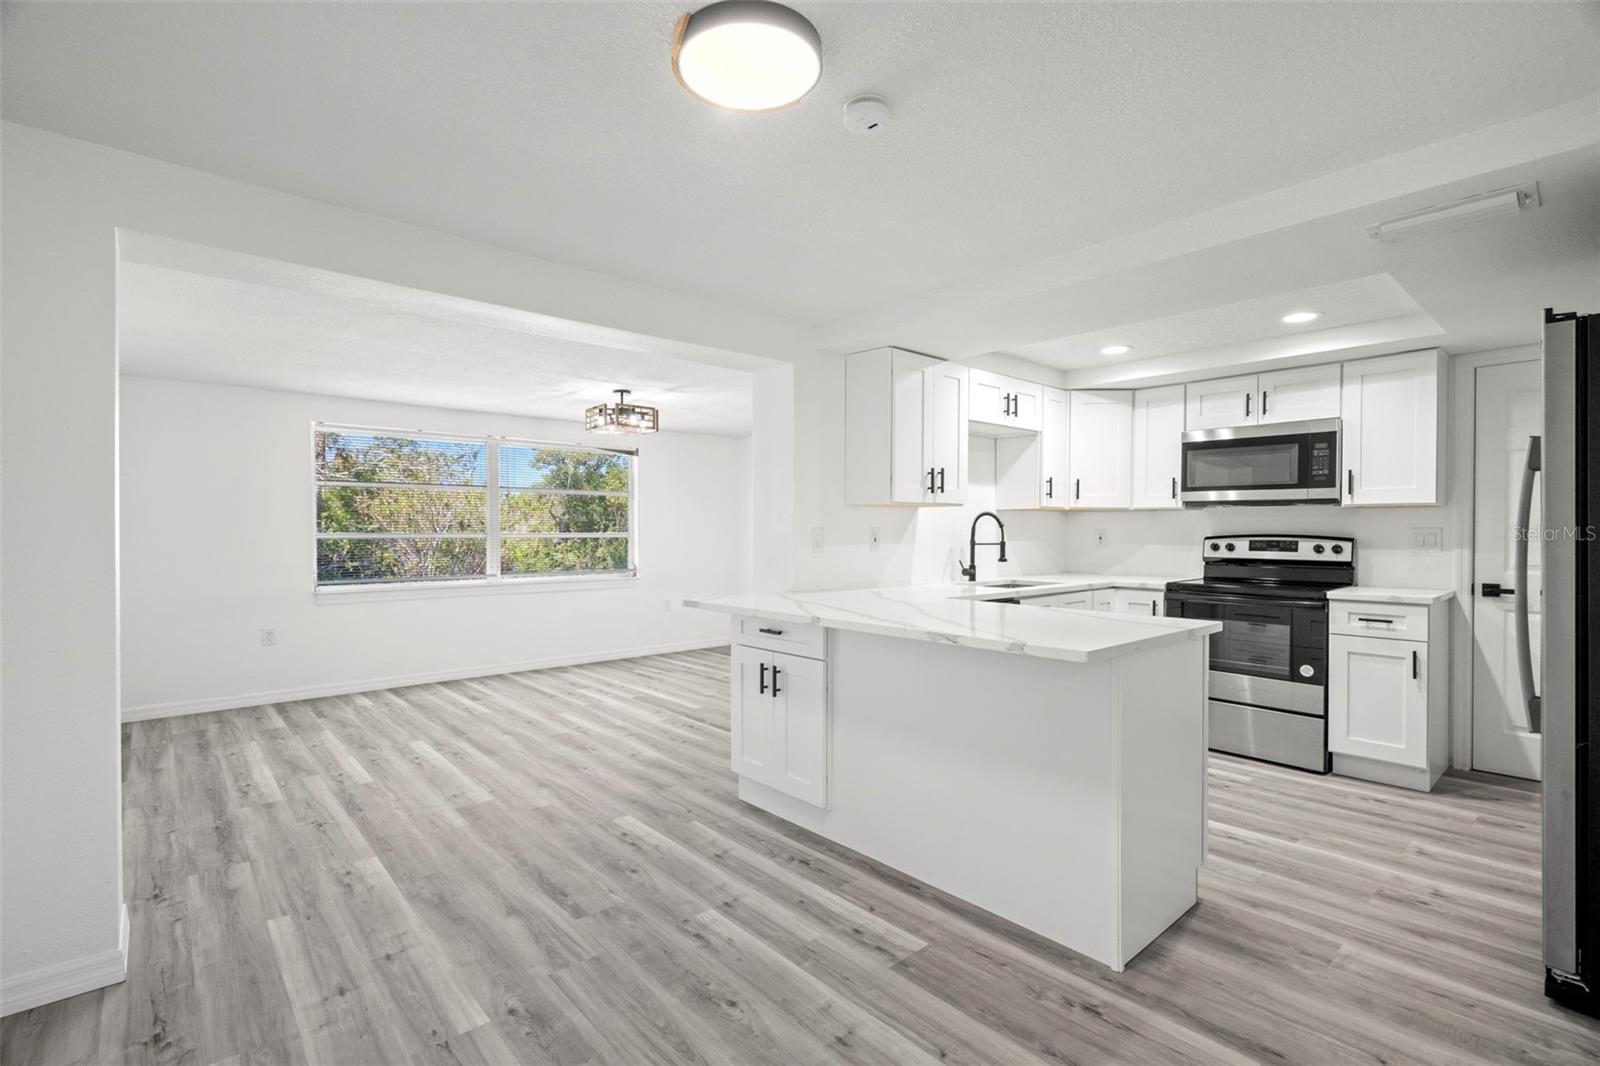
1378	594
954	613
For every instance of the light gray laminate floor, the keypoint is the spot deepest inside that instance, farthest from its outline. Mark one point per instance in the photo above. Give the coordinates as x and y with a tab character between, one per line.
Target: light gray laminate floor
552	867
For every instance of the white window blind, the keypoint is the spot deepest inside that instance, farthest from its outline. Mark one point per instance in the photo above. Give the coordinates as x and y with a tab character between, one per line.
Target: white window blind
399	507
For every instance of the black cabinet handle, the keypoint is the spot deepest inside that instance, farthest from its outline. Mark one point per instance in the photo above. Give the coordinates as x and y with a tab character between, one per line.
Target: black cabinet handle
1049	488
1350	483
930	481
1077	488
1247	405
1381	621
1174	488
1152	607
941	479
1416	664
775	688
763	690
1263	403
773	632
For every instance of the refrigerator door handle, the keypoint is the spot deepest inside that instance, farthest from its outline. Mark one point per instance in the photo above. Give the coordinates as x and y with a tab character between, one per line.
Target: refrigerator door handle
1523	532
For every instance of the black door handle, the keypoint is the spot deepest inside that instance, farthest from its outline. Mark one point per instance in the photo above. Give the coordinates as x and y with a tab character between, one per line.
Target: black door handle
1492	590
1049	488
1416	663
941	480
775	688
1350	483
1077	488
773	632
930	481
762	691
1263	403
1174	488
1247	405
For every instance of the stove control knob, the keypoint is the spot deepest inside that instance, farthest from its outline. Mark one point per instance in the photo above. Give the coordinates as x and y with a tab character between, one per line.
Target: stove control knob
1230	545
1215	546
1338	549
1317	548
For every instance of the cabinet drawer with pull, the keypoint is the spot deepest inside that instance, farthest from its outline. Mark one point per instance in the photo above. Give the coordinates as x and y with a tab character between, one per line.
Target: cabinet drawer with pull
796	638
1400	621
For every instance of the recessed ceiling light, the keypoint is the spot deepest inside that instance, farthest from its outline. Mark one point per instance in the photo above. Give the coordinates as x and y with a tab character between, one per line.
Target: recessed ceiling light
1296	318
747	55
1116	349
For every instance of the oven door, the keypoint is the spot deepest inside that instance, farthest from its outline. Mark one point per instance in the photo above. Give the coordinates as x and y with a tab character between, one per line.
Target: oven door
1288	462
1271	653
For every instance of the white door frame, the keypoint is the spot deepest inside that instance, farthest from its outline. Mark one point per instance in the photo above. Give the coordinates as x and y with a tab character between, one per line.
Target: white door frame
1463	477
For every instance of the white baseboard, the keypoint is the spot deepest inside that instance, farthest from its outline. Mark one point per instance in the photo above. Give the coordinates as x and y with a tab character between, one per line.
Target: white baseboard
71	978
345	688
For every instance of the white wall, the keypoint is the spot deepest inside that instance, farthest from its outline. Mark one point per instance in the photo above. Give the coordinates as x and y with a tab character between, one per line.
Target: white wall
919	544
64	200
216	543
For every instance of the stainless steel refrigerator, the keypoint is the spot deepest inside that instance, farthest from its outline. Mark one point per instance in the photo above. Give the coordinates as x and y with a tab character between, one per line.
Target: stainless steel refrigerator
1565	706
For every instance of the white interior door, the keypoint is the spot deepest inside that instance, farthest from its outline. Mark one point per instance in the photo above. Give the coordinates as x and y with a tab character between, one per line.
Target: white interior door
1510	409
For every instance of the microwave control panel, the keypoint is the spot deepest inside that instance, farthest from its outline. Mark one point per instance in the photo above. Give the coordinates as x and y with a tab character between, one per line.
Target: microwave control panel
1324	460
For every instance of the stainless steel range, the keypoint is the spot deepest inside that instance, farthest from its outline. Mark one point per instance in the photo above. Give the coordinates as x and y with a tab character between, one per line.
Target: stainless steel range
1269	665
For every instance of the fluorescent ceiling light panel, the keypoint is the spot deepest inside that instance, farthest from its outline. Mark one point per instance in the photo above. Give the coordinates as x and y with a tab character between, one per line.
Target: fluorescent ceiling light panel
1499	203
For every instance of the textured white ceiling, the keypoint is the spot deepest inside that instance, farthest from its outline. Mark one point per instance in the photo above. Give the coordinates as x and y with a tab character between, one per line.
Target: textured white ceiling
1019	130
204	327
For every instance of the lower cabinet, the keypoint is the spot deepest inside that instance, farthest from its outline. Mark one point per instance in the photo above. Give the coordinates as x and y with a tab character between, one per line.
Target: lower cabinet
1138	601
1105	600
1387	711
780	721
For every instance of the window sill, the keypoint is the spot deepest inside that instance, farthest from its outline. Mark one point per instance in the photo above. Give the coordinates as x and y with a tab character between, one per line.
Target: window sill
337	594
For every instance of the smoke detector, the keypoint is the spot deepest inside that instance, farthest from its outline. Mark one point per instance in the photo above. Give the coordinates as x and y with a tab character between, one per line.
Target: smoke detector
866	114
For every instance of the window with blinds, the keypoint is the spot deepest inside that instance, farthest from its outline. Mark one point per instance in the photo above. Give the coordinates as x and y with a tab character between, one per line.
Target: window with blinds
400	507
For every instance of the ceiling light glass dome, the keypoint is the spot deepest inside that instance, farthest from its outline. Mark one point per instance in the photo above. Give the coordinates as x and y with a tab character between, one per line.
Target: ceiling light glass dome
747	55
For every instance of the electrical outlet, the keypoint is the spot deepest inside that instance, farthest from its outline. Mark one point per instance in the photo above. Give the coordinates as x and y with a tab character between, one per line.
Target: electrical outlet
1427	539
666	605
874	538
816	540
269	637
1099	538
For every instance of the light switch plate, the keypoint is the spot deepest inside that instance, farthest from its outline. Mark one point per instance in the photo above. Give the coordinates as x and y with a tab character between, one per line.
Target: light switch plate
1427	539
816	540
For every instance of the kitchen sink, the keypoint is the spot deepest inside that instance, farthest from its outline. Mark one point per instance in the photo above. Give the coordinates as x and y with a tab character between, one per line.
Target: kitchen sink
1010	584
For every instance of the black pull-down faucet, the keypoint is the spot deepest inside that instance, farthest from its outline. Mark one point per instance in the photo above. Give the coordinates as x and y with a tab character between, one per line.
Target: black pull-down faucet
970	570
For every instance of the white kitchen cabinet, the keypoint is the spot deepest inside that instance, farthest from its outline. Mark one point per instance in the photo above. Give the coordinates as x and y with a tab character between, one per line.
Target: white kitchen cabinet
1031	470
1099	452
1002	404
905	429
780	722
1138	601
1158	416
1393	410
1298	395
1083	601
1105	600
1388	692
1220	403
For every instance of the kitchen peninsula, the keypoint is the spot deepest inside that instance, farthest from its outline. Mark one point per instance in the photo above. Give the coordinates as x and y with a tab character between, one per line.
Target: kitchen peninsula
1046	763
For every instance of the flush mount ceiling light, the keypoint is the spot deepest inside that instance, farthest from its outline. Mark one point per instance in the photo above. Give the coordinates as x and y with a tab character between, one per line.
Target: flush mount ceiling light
621	417
1116	349
746	55
1469	209
1299	318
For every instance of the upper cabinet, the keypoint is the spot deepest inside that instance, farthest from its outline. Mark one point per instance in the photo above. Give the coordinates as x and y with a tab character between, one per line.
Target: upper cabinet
1391	409
905	429
1003	405
1099	453
1157	446
1031	469
1220	403
1296	395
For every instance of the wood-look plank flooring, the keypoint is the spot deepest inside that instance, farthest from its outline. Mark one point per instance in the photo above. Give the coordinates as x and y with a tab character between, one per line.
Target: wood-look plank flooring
552	867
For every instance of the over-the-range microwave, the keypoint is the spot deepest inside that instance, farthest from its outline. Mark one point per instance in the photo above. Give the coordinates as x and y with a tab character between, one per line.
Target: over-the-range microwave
1288	462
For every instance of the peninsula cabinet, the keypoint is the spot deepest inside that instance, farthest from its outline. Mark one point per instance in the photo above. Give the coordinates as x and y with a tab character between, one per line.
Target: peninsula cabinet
780	721
1157	447
1099	454
1392	429
1002	404
905	429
